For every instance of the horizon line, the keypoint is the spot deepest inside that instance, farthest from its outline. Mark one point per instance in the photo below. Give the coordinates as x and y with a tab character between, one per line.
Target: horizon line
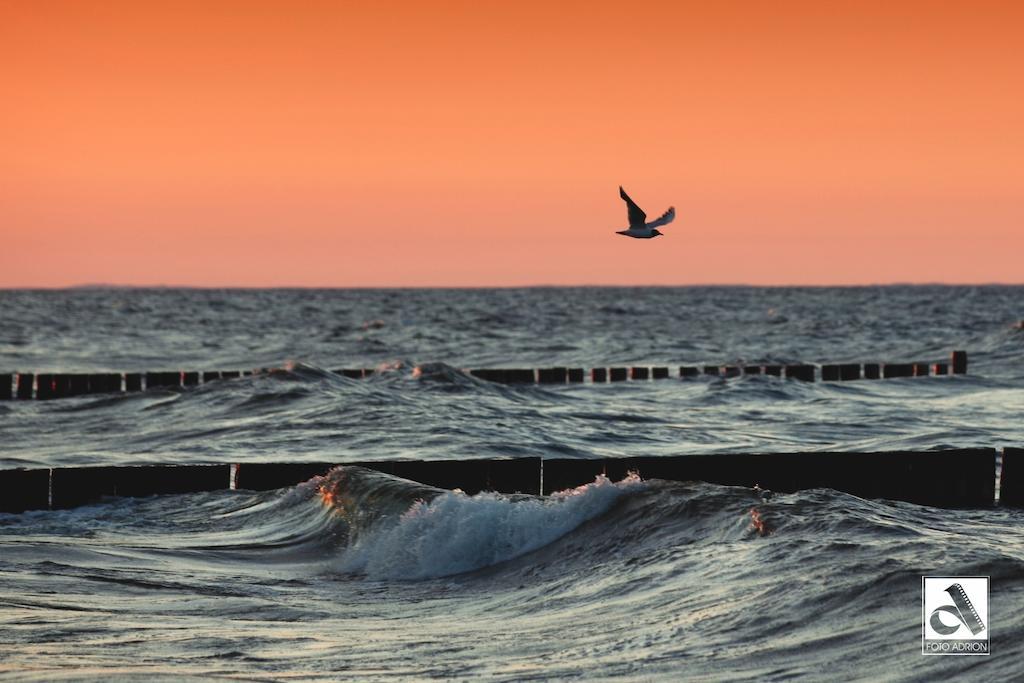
111	286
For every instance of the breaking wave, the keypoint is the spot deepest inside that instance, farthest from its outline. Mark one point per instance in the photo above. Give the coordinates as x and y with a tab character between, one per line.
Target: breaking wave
403	530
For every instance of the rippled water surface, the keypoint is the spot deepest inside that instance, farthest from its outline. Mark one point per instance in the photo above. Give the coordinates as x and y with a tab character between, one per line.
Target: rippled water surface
360	576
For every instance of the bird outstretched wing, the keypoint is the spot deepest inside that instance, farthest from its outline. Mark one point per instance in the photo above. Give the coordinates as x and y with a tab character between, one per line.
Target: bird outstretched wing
636	214
665	218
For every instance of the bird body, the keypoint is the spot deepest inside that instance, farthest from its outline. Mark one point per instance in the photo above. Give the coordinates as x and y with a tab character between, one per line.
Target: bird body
638	225
640	233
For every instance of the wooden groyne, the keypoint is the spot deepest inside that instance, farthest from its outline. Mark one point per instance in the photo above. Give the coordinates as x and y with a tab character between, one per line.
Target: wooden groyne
46	386
961	478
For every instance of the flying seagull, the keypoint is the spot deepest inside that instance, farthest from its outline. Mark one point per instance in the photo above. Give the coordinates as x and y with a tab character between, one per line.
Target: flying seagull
637	227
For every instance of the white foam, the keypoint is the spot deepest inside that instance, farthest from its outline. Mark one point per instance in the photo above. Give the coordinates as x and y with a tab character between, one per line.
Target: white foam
456	533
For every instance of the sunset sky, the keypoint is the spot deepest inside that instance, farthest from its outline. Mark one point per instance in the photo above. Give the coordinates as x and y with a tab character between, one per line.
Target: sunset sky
482	143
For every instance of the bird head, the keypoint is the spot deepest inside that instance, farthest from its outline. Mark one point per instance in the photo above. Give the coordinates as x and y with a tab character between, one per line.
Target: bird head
656	232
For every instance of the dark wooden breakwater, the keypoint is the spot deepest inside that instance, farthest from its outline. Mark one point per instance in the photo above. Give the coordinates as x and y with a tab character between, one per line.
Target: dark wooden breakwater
948	478
45	386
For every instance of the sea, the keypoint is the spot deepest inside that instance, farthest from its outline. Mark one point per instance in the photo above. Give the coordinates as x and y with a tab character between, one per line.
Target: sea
358	575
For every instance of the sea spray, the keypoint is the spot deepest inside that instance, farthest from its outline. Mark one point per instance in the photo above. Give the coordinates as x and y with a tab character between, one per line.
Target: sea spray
455	533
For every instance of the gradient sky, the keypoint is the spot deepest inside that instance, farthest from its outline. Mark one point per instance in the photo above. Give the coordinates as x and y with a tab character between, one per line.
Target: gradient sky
482	143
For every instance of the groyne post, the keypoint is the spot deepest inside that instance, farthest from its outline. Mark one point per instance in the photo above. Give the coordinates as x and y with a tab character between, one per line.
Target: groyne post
520	376
514	475
77	384
552	375
24	385
801	371
22	490
74	486
849	371
46	387
105	383
485	374
163	379
1011	478
270	476
958	362
890	370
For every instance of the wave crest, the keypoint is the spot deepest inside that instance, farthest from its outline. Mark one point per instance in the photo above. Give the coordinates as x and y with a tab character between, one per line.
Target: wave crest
454	533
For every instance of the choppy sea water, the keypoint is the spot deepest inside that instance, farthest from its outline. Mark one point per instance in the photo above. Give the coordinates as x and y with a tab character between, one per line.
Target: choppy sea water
361	576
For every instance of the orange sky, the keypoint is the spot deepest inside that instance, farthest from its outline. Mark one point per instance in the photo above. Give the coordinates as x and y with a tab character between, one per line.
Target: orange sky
482	143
